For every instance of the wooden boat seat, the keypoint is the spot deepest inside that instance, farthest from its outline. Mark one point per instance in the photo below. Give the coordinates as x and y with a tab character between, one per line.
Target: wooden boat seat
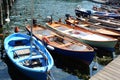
95	17
50	36
83	25
97	23
36	57
73	21
22	47
64	45
68	30
23	51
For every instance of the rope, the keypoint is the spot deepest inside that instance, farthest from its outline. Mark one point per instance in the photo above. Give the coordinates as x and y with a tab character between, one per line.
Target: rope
50	76
32	12
41	52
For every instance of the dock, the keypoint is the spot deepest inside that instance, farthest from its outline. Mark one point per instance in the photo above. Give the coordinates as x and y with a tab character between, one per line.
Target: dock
109	72
5	7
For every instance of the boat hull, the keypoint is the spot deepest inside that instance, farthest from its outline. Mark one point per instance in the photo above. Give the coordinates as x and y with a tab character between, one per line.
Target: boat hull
110	45
101	1
87	13
33	73
101	44
86	57
93	27
80	53
112	25
104	14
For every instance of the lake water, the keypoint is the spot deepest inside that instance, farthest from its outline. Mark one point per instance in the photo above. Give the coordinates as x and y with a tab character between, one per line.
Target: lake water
65	68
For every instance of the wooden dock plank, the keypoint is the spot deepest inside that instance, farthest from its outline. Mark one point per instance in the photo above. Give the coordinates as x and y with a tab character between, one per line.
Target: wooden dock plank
113	70
106	76
99	77
109	72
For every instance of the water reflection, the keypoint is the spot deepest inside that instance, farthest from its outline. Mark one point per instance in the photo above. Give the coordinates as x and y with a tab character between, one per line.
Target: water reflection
14	73
71	66
65	68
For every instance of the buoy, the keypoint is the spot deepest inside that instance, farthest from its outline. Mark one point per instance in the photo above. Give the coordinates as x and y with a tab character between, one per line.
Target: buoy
45	39
16	29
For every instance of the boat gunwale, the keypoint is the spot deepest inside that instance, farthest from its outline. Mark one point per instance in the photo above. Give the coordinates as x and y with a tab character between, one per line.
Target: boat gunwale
89	48
64	25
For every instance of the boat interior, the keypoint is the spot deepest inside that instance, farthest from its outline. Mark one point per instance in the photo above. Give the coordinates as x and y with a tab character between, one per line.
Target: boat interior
60	41
67	43
26	55
82	33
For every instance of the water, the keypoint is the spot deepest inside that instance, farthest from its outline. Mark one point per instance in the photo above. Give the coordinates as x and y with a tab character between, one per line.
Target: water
22	10
65	68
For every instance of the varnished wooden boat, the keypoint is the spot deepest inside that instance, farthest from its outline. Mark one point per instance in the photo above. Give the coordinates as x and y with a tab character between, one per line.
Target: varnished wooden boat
95	27
113	24
63	45
83	35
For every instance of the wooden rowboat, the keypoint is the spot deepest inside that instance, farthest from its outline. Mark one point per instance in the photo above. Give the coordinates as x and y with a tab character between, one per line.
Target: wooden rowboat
94	27
113	24
33	61
86	36
63	45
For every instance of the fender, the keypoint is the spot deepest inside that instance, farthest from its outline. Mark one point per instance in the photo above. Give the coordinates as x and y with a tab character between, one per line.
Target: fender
45	39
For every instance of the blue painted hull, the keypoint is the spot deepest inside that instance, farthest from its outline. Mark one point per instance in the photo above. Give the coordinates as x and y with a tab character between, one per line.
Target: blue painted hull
104	14
86	57
36	73
97	13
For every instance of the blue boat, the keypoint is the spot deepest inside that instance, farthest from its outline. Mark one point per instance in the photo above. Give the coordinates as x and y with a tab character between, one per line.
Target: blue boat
107	14
28	55
86	13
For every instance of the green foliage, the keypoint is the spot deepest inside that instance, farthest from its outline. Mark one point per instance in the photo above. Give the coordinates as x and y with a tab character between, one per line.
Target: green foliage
104	60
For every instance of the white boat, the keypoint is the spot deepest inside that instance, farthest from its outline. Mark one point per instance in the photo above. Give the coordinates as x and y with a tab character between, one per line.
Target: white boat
86	36
101	1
